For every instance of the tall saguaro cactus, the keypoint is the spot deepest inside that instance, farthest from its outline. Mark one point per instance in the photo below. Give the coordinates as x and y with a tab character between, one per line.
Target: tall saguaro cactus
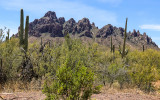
113	48
124	52
41	42
7	37
143	48
1	63
111	45
125	35
21	28
23	40
26	33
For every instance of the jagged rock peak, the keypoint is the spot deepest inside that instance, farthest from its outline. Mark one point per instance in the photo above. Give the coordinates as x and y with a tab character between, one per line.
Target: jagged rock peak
135	33
51	14
144	34
71	20
83	25
93	24
85	21
108	26
61	20
69	26
57	27
105	31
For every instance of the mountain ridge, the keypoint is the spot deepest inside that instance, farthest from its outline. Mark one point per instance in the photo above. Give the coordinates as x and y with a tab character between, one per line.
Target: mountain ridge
58	27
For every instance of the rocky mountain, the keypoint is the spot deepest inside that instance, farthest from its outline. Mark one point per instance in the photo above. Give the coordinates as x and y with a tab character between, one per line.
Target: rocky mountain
58	27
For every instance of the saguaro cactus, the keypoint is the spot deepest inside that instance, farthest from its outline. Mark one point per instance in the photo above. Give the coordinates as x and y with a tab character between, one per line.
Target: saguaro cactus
7	37
41	48
26	34
111	45
1	63
124	52
41	44
49	43
21	28
23	40
113	48
125	35
143	48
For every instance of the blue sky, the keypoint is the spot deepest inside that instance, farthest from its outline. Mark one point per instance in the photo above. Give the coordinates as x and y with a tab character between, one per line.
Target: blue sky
142	15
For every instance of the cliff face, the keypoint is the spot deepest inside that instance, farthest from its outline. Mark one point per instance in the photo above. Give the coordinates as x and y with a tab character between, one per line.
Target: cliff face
49	23
58	27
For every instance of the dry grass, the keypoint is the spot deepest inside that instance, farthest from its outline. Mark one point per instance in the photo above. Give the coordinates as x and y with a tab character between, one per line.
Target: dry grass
18	86
32	91
18	90
157	84
127	93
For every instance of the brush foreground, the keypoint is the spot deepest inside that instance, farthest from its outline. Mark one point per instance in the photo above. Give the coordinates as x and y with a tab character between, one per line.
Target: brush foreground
72	69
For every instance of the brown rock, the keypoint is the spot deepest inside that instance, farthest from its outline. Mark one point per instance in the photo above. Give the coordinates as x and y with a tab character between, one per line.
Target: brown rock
51	15
105	31
87	34
57	27
61	20
69	25
83	25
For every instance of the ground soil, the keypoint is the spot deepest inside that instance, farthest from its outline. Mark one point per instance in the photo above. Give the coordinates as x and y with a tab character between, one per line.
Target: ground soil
124	96
30	95
110	94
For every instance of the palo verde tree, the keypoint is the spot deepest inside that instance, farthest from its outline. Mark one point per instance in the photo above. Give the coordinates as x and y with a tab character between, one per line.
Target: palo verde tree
72	79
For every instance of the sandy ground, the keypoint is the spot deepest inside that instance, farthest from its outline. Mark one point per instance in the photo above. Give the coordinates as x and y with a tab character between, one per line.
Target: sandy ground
37	95
105	94
123	96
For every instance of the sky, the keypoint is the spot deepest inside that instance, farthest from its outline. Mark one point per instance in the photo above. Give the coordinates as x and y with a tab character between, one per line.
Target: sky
143	15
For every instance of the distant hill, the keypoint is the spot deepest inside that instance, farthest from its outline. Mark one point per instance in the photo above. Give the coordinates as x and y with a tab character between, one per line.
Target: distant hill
49	27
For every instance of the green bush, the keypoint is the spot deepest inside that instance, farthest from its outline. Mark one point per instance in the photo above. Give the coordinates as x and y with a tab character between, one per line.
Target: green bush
71	83
73	69
144	69
143	76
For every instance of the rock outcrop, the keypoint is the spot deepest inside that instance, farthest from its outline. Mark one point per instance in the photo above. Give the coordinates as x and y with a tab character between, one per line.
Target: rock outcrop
58	27
69	26
47	24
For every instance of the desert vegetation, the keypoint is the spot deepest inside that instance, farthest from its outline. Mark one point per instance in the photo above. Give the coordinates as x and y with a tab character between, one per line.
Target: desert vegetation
71	69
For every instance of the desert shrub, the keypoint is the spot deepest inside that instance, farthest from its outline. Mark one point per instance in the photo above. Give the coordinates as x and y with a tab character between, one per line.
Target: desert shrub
73	76
144	69
113	68
143	76
71	82
11	58
116	72
16	63
72	64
